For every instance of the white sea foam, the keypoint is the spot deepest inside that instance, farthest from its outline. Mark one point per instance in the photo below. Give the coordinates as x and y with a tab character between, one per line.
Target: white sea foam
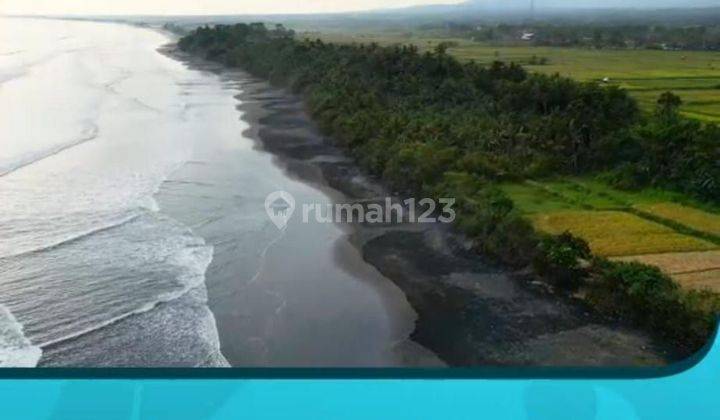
149	203
89	260
10	165
70	239
197	259
15	349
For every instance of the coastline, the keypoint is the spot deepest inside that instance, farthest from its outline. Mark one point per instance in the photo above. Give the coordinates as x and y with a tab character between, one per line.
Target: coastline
301	296
469	312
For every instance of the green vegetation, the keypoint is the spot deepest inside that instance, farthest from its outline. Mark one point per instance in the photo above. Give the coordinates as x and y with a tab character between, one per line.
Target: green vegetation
696	37
645	294
591	193
693	75
429	124
645	74
562	260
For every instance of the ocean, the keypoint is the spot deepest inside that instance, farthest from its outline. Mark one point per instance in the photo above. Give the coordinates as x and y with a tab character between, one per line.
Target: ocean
132	222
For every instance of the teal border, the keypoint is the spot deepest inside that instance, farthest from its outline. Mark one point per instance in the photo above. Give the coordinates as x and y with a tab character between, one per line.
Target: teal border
509	372
686	390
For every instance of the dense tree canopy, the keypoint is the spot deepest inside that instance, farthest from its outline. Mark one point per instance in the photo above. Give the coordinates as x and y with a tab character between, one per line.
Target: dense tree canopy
412	117
386	100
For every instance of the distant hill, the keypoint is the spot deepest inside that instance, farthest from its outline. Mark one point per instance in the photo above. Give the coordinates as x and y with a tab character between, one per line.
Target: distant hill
608	11
665	12
594	4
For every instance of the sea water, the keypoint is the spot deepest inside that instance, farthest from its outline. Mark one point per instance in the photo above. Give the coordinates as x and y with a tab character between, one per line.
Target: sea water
132	223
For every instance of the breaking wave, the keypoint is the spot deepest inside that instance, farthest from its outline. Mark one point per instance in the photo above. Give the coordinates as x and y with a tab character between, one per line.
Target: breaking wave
195	259
12	165
15	349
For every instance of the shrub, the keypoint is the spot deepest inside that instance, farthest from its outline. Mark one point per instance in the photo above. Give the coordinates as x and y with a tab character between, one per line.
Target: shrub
626	176
512	241
560	259
489	217
538	61
650	298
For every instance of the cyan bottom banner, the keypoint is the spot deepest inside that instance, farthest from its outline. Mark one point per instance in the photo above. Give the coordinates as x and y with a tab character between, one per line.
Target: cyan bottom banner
676	392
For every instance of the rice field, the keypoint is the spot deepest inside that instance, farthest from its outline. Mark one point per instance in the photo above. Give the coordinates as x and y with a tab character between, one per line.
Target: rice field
616	233
603	216
703	280
693	218
535	200
681	262
580	193
694	270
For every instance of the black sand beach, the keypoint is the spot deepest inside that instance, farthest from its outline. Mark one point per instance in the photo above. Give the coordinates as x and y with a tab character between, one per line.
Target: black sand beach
469	312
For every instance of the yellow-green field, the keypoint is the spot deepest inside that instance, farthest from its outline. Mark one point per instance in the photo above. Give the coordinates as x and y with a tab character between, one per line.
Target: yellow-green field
690	217
615	233
653	227
693	75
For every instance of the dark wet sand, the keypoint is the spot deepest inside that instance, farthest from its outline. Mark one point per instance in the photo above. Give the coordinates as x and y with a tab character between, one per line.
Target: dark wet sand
298	297
469	312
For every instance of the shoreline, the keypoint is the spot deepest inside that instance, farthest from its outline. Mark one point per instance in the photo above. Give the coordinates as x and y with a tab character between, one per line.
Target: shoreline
278	302
469	312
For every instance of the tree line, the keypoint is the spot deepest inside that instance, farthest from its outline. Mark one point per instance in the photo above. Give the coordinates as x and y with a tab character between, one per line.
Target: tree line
694	37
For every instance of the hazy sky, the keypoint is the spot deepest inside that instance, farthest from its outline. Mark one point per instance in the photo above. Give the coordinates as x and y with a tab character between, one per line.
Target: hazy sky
200	6
165	7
